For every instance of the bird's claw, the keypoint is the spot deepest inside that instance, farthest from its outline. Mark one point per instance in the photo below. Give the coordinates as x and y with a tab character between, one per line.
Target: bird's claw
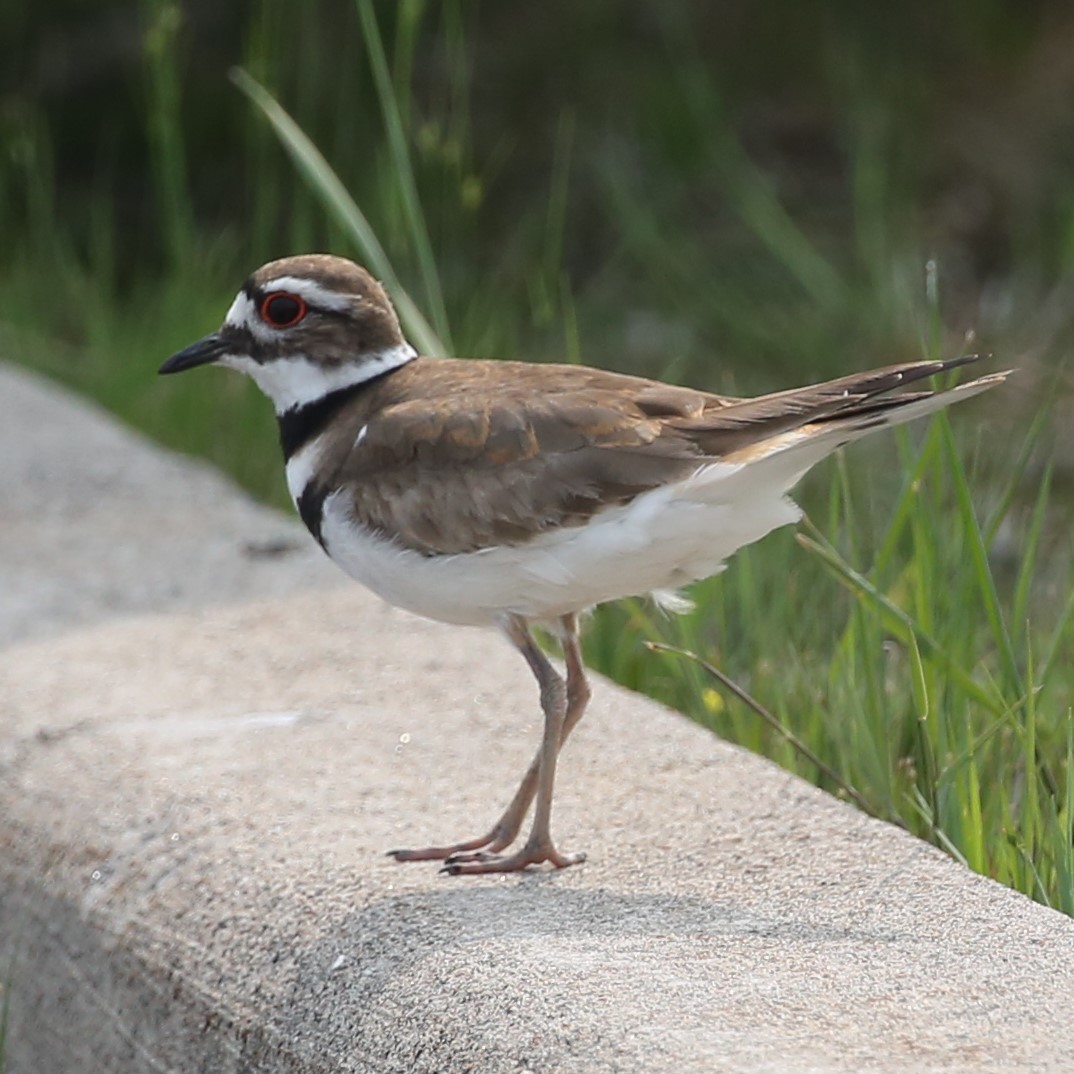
484	862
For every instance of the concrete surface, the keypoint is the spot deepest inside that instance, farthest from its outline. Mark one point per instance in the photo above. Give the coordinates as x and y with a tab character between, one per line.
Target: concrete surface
96	522
194	805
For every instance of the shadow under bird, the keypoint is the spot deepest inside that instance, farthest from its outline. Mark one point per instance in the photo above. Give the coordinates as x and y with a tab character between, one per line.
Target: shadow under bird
506	494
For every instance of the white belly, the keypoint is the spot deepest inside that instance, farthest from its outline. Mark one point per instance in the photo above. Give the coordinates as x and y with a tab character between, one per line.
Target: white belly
663	539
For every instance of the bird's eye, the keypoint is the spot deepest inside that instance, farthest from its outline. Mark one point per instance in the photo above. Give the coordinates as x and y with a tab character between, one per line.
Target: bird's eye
282	310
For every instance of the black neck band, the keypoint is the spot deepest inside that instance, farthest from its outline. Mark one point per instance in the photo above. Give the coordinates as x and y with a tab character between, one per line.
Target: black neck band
300	424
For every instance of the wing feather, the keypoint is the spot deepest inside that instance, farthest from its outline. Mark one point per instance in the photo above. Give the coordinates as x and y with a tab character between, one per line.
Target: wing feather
452	472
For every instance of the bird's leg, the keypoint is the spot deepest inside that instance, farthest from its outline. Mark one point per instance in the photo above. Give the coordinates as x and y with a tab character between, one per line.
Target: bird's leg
578	692
504	832
557	702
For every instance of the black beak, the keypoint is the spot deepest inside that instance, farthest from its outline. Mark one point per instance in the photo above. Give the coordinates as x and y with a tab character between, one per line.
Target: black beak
203	352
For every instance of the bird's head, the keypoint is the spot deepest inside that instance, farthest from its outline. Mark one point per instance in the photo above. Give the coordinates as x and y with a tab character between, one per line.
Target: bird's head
303	327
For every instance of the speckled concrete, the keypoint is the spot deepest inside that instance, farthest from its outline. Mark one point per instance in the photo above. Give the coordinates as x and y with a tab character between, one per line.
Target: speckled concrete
97	522
197	787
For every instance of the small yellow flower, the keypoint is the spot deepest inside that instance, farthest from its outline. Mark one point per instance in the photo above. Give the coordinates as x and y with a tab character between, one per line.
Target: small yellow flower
712	700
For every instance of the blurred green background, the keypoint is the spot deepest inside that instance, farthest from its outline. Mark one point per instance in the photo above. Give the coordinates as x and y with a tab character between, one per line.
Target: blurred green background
738	195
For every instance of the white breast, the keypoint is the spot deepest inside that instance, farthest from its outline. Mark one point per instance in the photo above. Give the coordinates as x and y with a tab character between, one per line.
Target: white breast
301	467
663	539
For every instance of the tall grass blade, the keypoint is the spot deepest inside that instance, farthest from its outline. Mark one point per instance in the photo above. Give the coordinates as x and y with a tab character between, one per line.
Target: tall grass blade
752	193
747	699
979	555
1014	475
1064	825
164	129
900	622
1058	643
312	165
1029	551
404	171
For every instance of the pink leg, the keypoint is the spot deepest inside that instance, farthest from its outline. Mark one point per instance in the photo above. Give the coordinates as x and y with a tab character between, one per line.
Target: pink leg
561	717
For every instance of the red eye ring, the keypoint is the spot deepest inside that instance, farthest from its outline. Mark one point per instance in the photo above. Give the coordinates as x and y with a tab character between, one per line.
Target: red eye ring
282	309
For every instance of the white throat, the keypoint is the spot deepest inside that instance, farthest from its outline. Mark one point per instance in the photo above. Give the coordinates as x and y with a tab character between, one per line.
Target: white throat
297	380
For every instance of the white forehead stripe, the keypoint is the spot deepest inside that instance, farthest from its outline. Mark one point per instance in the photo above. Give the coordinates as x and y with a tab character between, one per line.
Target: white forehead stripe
314	293
243	314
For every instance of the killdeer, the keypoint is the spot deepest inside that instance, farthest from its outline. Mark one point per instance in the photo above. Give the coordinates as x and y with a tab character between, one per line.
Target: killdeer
504	494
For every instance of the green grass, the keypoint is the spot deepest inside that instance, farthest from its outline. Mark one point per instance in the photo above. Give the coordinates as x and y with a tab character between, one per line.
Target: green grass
911	634
939	707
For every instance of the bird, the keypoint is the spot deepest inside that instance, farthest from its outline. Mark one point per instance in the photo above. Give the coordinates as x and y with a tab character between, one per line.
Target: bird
515	495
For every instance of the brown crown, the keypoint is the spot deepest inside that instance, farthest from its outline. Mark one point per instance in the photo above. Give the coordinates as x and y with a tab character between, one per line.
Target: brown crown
367	324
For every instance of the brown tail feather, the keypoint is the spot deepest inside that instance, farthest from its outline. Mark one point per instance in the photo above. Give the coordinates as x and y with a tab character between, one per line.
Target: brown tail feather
754	421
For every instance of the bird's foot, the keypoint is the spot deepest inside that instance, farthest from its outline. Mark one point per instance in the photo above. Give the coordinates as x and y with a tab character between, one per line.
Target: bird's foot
479	861
486	845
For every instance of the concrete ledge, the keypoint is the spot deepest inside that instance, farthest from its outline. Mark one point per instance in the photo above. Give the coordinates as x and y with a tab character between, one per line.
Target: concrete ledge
97	522
194	806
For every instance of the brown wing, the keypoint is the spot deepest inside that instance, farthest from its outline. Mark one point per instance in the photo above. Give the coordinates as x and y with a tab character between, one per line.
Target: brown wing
451	479
495	459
